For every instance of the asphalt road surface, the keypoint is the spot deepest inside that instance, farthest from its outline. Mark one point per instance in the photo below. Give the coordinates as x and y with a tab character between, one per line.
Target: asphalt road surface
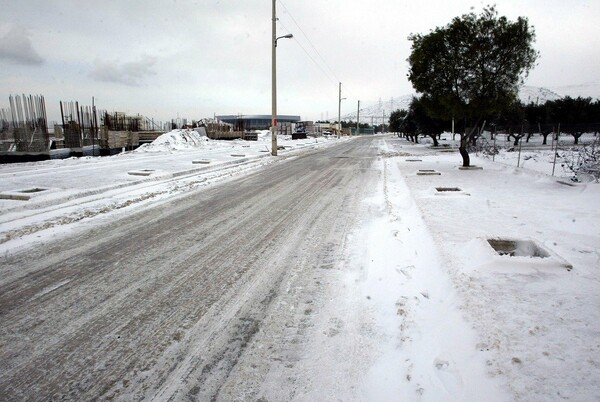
200	298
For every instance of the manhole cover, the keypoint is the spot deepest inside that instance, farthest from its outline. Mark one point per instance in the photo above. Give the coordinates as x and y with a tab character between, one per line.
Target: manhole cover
447	189
21	195
564	183
238	155
32	190
414	160
428	172
201	161
142	172
518	248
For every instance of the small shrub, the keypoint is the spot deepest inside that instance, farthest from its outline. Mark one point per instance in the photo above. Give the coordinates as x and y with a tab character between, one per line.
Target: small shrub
583	162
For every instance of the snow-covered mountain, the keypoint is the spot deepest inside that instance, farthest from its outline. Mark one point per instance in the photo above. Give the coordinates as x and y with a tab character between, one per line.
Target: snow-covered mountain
373	112
537	95
585	90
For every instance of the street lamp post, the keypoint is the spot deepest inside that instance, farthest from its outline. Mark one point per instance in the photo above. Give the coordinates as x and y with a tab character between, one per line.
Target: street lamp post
358	119
274	80
340	99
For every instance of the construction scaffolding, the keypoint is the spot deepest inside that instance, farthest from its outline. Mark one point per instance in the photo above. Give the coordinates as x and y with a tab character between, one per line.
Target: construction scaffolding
80	125
85	130
118	121
24	126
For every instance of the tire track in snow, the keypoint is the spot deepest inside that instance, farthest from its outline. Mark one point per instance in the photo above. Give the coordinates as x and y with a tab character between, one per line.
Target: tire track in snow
167	301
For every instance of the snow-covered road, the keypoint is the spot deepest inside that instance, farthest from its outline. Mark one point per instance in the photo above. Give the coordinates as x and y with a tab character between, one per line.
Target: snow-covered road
329	273
206	295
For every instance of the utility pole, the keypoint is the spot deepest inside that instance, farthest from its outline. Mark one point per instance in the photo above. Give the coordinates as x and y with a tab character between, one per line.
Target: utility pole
274	80
383	122
358	119
274	83
93	130
340	111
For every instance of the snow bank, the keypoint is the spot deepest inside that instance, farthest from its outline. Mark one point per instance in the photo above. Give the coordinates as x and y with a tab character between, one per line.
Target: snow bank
176	140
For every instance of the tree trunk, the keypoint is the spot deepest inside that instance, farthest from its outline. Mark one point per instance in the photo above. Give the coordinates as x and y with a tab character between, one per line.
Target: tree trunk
435	141
463	151
464	141
545	142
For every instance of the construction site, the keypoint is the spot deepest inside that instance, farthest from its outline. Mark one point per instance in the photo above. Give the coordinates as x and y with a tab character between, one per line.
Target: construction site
85	130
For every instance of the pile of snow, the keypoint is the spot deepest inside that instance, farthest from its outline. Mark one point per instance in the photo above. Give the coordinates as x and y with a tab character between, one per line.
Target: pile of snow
176	140
264	135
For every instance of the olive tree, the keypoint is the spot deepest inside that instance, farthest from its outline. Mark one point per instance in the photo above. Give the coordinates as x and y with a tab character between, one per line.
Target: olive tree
472	67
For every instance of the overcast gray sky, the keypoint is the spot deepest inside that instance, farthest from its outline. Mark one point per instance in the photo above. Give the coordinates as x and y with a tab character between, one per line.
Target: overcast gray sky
196	58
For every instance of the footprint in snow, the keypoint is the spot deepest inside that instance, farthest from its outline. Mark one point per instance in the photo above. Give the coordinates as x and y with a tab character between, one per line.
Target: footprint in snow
449	377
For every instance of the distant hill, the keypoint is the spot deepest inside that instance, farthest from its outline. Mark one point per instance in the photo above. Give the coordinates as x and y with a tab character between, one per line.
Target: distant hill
373	112
537	95
586	90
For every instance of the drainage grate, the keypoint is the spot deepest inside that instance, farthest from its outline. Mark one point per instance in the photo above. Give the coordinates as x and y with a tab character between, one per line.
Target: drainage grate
414	160
447	189
428	172
21	195
32	190
518	248
142	172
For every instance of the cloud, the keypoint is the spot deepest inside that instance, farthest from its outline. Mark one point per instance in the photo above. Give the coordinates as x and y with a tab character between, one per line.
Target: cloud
15	47
130	73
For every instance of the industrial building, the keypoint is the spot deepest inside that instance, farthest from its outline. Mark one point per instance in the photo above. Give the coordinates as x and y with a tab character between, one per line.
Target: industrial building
255	121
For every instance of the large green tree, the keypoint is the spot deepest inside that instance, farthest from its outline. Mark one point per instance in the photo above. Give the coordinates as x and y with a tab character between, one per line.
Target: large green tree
574	115
472	67
396	119
422	121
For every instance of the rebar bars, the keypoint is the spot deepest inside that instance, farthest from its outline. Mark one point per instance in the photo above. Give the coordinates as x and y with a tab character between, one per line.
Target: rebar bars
80	124
26	119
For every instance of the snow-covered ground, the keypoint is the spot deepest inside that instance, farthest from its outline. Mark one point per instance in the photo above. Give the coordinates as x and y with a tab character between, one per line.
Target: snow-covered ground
531	155
429	309
536	322
38	196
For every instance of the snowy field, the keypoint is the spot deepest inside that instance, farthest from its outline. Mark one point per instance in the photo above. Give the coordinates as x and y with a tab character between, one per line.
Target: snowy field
419	306
62	191
536	319
531	155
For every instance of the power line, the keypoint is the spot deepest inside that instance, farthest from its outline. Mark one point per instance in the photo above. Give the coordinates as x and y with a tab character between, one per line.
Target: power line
309	41
308	54
329	73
